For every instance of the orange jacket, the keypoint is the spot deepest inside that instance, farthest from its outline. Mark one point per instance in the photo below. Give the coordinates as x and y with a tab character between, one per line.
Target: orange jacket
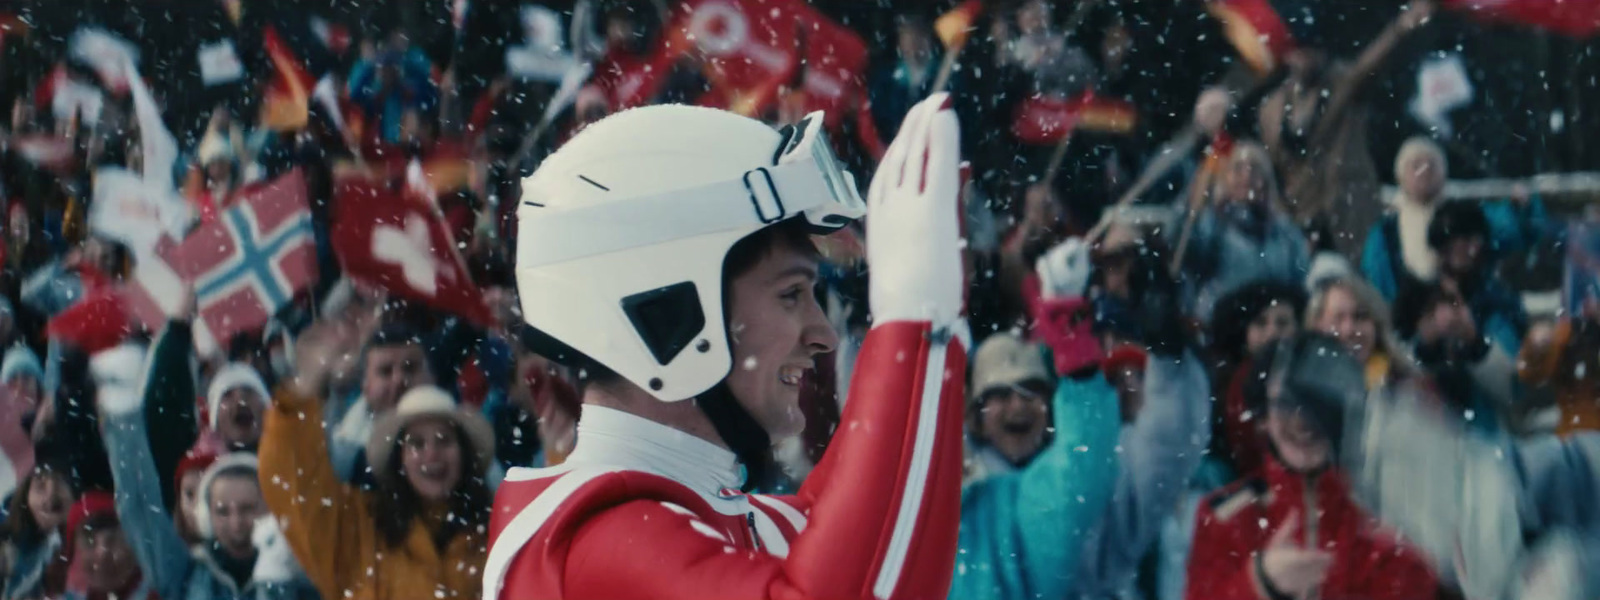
329	526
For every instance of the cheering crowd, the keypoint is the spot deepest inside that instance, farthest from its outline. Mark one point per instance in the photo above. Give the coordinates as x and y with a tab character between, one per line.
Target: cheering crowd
263	335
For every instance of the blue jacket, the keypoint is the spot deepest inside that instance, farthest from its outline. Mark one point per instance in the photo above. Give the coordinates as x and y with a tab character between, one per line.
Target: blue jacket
170	568
1222	257
25	577
1018	529
1158	454
414	89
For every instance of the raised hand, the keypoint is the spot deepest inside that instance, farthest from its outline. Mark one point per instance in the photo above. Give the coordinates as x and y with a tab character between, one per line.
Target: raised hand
1290	568
914	220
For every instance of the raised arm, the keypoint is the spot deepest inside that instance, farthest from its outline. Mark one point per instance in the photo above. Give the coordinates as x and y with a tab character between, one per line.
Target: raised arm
323	519
1160	451
163	557
169	405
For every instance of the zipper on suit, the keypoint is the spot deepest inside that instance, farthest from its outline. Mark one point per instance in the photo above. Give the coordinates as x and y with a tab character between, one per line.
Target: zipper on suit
750	519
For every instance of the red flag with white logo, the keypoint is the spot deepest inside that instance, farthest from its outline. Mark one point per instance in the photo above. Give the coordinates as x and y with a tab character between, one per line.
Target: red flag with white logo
397	241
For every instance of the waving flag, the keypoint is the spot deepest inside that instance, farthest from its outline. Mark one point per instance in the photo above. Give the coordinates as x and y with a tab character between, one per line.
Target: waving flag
398	242
245	266
288	96
1577	18
1042	119
954	26
1256	30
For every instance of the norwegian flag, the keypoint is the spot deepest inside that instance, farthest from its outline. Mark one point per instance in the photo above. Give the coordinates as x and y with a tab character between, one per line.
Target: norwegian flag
399	242
249	263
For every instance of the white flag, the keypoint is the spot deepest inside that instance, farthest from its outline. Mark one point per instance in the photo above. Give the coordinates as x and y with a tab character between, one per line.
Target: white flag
107	54
137	212
219	63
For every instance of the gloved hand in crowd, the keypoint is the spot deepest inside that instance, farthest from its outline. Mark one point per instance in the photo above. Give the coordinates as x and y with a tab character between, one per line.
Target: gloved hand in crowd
914	221
1064	270
324	348
274	559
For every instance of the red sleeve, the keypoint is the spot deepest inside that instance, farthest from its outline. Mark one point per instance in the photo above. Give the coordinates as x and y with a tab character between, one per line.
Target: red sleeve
886	498
883	506
1222	559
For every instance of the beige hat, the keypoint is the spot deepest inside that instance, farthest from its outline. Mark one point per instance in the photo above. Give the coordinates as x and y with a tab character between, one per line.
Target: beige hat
1005	360
421	402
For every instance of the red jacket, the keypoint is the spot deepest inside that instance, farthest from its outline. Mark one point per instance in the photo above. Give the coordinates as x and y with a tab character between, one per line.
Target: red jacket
1236	522
878	517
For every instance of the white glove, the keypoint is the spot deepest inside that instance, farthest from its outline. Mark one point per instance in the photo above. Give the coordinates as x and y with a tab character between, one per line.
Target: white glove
914	221
274	560
1064	270
118	374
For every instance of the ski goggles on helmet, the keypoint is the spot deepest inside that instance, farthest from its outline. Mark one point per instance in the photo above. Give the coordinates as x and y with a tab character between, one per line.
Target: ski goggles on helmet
803	179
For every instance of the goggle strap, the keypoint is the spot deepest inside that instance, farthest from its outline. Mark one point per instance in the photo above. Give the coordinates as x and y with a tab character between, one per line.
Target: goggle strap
762	196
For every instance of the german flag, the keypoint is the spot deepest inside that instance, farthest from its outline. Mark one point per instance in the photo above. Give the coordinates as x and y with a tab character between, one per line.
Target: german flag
1256	30
288	97
1042	120
954	26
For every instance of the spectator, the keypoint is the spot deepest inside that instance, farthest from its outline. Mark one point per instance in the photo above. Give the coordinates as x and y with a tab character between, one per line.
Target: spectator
22	372
1348	309
227	506
1396	254
394	78
1292	529
422	528
1248	321
236	404
1240	233
191	468
1473	376
36	517
906	77
1459	235
392	363
1316	123
98	552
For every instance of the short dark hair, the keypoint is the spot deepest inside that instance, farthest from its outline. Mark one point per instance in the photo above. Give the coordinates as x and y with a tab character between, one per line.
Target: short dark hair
1415	302
1230	320
1455	220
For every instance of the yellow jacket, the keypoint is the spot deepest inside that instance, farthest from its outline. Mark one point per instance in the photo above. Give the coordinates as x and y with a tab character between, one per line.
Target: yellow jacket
329	526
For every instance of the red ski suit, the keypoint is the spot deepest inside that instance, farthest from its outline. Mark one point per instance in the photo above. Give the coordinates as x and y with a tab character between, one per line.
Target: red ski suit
877	518
1237	521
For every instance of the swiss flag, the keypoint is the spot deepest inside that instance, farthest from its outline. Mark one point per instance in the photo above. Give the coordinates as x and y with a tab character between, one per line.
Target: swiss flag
397	241
244	267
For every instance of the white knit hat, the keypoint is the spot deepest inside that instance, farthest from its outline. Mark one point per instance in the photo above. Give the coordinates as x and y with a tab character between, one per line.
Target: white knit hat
420	402
230	377
235	461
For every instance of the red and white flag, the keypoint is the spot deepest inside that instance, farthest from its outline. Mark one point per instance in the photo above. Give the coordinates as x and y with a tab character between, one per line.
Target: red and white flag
245	266
1576	18
396	241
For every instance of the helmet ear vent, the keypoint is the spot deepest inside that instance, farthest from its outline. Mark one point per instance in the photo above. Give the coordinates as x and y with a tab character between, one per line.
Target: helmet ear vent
667	318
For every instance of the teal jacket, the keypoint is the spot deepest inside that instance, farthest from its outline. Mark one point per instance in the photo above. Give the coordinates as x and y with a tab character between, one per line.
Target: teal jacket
1018	529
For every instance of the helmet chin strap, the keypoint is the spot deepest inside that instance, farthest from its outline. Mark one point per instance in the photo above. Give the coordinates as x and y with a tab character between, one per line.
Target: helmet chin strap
740	431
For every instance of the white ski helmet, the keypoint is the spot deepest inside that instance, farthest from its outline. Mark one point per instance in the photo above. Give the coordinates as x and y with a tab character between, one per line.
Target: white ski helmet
622	233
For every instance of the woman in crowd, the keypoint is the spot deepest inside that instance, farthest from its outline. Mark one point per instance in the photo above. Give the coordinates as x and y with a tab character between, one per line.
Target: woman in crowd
191	468
1351	311
37	515
1240	233
1246	322
1291	529
422	530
